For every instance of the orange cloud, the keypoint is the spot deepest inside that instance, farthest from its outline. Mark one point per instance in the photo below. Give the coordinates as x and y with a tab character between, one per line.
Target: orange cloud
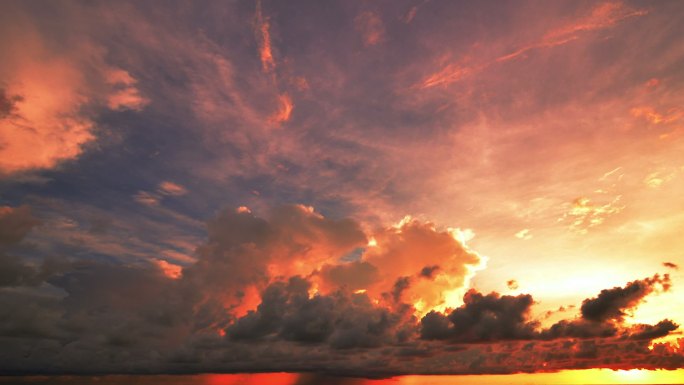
169	269
170	188
45	126
47	93
264	40
127	98
601	17
449	74
652	116
435	266
284	110
584	214
124	95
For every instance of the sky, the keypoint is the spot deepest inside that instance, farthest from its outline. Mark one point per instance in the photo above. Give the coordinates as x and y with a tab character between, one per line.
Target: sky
354	190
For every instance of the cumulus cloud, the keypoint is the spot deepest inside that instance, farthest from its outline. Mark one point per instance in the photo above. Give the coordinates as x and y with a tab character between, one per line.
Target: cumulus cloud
611	304
440	262
296	291
483	318
343	320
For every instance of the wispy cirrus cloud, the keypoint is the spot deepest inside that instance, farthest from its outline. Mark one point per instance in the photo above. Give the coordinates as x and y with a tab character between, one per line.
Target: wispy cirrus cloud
600	17
264	40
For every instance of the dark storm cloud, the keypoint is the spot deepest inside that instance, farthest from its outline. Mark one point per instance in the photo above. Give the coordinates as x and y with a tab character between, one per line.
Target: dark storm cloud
341	319
399	287
651	332
498	318
611	304
483	318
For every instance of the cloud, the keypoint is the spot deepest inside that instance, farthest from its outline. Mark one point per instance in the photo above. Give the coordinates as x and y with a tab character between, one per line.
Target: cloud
146	198
651	332
356	275
15	223
279	293
611	304
315	292
264	40
169	269
584	214
600	17
284	110
244	250
170	188
604	315
342	319
524	234
164	189
654	117
449	74
124	94
493	317
483	318
49	88
371	28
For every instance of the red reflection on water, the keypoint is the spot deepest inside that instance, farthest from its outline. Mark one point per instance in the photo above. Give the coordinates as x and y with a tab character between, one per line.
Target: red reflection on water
251	379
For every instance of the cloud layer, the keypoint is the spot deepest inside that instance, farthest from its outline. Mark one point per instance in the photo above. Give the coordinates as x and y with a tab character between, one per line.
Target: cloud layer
300	292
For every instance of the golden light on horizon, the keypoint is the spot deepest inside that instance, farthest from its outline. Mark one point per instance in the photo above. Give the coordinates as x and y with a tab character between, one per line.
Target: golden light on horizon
566	377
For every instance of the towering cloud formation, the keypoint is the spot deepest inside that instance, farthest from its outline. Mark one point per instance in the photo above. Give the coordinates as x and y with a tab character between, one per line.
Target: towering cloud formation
296	291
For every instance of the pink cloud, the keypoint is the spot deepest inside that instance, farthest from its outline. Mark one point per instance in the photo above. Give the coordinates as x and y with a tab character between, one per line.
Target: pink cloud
170	188
49	93
371	28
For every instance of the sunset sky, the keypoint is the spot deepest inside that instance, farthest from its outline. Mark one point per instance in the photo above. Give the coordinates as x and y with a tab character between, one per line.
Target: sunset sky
342	192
